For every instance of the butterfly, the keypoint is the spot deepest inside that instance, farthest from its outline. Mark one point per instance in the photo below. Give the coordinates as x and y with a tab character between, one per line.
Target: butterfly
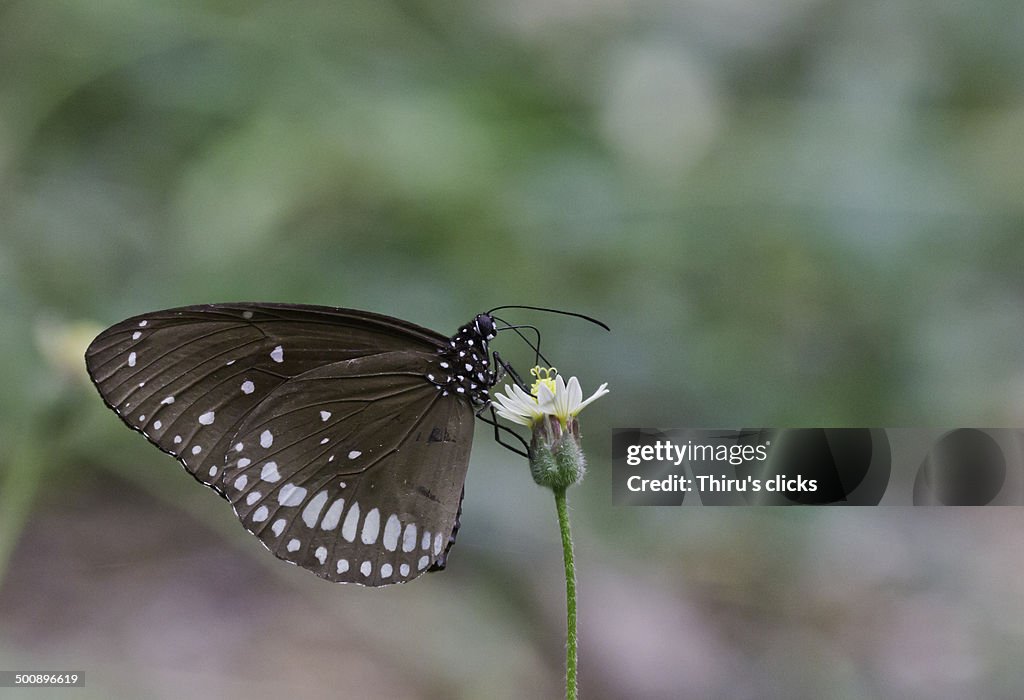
340	437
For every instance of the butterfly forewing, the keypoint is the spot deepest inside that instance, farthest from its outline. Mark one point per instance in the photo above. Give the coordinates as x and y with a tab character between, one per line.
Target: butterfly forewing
354	470
186	377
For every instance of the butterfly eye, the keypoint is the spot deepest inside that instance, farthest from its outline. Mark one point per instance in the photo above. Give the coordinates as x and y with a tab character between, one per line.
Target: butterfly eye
485	326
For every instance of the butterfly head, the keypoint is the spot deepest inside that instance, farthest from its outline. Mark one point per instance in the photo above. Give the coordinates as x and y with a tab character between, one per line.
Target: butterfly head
483	324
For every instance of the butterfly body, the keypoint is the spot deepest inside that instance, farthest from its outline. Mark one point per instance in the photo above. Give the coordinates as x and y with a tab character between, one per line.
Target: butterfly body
340	437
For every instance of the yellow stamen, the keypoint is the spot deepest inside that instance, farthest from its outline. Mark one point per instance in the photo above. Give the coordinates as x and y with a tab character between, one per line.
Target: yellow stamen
545	376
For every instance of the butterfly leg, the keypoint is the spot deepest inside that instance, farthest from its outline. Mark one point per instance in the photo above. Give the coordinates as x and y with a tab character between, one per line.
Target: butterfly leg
499	428
505	368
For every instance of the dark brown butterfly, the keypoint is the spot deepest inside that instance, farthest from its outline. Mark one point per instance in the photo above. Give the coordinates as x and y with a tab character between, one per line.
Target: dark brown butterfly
340	437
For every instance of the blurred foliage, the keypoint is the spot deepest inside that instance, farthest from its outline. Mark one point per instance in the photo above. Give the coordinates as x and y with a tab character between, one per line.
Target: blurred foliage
792	212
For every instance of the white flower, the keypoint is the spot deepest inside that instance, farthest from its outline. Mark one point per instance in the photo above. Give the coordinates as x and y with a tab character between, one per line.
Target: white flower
517	406
552	397
566	401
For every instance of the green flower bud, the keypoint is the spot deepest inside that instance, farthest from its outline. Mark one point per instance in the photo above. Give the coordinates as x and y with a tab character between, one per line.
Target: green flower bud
556	458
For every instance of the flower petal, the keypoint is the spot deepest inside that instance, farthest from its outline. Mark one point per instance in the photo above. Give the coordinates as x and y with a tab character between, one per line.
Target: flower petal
522	395
545	398
512	404
513	417
561	402
517	406
575	395
601	391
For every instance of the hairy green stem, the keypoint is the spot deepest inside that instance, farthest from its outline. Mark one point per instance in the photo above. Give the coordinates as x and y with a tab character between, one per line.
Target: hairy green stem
570	594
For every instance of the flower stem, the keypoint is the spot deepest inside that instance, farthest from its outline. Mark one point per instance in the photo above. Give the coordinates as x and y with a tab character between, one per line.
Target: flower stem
570	594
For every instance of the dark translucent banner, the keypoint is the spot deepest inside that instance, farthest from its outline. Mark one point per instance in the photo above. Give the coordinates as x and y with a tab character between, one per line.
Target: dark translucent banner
818	466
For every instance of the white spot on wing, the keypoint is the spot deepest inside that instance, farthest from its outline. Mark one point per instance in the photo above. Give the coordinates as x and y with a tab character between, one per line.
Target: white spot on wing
206	418
252	497
213	471
244	462
385	571
409	538
157	425
196	449
333	515
354	453
311	513
278	526
260	515
425	543
241	481
371	527
422	564
348	529
293	545
177	439
324	415
277	354
168	401
269	471
291	495
437	544
131	359
238	447
248	387
325	441
404	569
321	554
247	314
266	439
342	566
392	530
366	568
136	335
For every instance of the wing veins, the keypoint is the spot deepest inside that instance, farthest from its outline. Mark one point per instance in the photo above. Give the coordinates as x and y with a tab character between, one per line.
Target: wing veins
305	407
192	383
164	354
419	419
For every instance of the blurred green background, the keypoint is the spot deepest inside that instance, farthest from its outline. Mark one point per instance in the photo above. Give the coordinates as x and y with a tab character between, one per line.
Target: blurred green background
791	212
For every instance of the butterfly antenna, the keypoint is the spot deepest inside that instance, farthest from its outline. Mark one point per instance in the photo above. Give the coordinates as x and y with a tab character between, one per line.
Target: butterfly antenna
538	356
553	311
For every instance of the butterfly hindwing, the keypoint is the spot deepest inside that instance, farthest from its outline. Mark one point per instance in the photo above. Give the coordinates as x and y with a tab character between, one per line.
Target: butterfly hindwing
187	377
354	470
